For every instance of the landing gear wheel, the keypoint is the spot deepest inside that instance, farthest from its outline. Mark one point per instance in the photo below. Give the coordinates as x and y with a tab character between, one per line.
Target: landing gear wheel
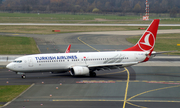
23	76
92	74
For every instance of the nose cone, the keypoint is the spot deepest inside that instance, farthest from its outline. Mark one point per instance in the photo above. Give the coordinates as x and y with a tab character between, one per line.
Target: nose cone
9	66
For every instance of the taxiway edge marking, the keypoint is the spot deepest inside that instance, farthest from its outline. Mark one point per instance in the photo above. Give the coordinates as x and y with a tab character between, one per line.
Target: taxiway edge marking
127	85
87	44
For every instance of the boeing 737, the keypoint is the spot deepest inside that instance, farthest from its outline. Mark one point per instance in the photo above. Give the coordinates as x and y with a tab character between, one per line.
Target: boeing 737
86	63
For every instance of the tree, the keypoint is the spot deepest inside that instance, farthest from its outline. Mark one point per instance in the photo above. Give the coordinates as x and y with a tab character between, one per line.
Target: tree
156	6
137	8
91	1
95	10
107	5
173	12
125	6
99	4
1	1
164	4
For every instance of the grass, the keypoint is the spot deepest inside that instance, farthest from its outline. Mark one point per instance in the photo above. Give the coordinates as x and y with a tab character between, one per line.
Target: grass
17	45
48	29
164	42
67	16
57	18
9	92
2	67
68	29
79	18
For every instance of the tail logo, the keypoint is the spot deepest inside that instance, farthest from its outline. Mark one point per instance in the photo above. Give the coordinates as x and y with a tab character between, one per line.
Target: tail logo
146	43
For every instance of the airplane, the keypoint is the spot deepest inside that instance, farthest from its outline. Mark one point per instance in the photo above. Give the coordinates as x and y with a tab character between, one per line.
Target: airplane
85	63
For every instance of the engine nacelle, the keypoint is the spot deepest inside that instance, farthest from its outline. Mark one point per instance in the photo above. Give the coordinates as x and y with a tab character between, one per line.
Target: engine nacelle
78	70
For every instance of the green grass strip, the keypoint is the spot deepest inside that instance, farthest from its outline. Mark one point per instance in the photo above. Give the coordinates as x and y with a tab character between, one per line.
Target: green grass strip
9	92
70	29
17	45
80	18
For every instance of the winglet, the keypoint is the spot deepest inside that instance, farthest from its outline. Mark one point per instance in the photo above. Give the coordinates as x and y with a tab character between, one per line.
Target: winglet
147	40
68	49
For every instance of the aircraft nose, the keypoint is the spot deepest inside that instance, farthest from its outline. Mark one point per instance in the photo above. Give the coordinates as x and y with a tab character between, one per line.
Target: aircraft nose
9	66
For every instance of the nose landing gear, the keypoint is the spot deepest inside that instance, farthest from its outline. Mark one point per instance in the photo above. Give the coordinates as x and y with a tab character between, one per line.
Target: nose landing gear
23	76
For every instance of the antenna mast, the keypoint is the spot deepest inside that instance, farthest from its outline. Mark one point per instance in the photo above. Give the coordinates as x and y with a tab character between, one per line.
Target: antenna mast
146	17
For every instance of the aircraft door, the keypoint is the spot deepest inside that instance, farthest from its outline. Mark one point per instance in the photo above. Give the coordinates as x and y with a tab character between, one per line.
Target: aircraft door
30	63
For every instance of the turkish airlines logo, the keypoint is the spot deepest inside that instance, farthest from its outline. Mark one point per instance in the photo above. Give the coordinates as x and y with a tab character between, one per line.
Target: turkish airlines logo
147	42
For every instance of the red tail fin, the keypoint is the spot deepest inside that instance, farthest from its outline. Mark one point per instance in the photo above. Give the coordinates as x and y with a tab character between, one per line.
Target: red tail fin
147	40
68	49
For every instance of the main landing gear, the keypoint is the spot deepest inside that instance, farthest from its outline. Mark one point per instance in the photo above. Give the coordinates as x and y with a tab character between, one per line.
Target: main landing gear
23	76
92	74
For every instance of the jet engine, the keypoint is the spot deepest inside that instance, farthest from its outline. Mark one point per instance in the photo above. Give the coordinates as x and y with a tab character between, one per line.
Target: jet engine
78	70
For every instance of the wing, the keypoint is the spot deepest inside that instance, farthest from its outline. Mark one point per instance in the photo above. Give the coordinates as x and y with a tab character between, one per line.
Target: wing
110	66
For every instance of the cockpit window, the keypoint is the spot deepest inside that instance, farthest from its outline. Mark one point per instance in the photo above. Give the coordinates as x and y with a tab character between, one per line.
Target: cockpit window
17	61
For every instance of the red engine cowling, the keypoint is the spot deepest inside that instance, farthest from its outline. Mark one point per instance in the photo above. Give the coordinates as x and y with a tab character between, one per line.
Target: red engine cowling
78	70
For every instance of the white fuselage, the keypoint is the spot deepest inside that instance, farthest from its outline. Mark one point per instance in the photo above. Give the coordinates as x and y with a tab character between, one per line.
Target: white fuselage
62	62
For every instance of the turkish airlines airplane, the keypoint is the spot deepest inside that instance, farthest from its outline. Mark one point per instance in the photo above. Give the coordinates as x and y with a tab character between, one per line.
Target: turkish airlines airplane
86	63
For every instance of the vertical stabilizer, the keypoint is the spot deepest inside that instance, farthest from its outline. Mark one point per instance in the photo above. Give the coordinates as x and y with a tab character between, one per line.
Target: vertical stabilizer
68	49
147	40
